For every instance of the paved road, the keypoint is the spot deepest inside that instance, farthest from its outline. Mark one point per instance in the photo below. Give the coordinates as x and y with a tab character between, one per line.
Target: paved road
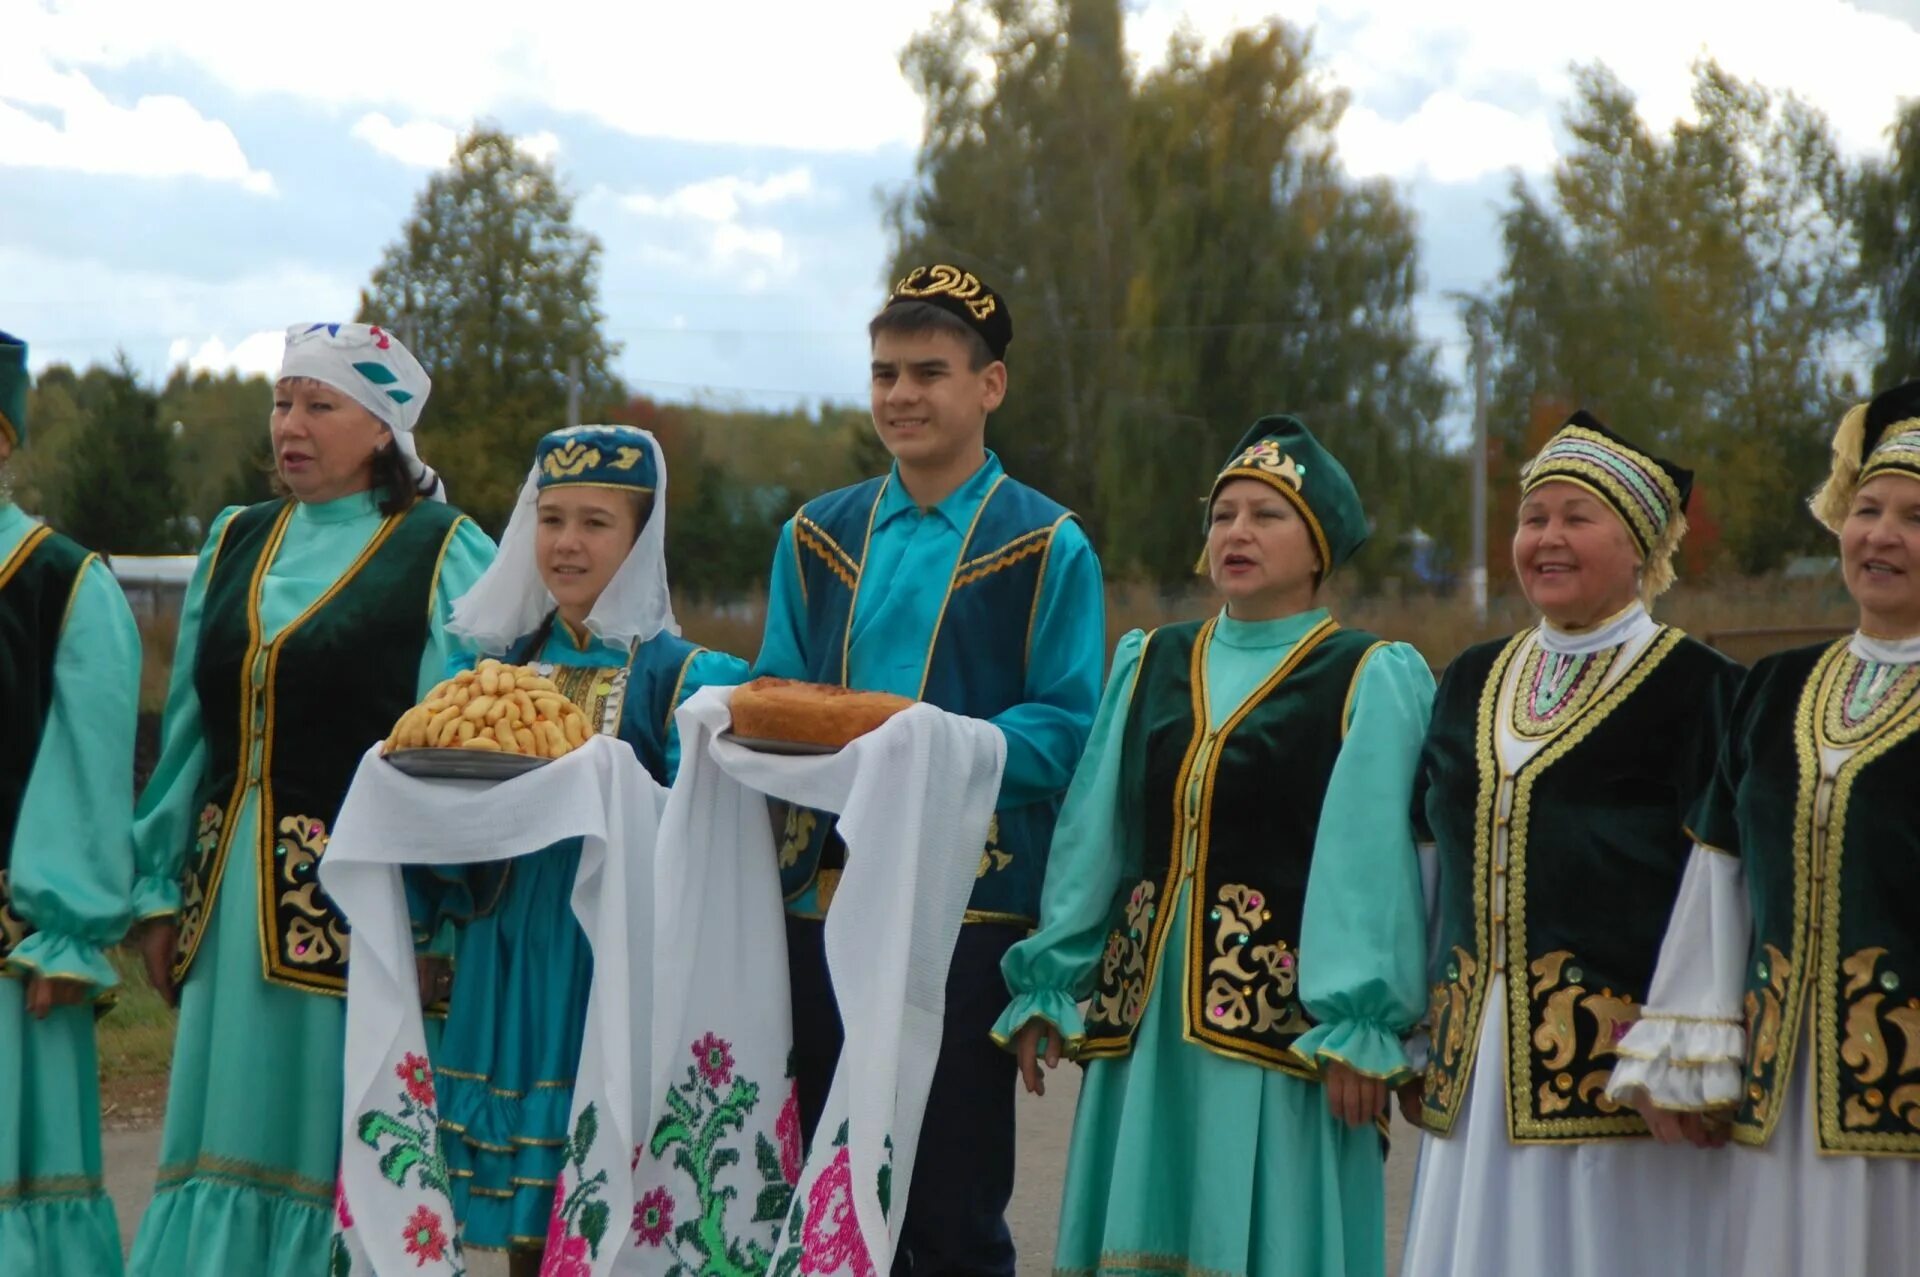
1045	1125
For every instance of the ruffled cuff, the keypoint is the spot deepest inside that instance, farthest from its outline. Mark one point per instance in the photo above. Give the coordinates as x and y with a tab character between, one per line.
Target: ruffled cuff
1684	1063
57	957
1369	1049
154	898
1054	1005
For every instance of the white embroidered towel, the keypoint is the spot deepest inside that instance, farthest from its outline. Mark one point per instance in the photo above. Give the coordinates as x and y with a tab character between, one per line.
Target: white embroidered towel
395	1215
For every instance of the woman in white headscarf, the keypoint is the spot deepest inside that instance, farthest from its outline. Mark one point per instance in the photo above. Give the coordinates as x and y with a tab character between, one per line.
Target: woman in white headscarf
580	591
312	622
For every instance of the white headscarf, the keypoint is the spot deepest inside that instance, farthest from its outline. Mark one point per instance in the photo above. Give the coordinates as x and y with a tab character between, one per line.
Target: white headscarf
370	366
510	599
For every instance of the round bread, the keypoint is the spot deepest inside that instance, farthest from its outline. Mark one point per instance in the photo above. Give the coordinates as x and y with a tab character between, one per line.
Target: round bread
785	709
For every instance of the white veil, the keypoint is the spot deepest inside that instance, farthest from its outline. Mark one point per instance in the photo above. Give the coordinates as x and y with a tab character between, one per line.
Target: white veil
510	600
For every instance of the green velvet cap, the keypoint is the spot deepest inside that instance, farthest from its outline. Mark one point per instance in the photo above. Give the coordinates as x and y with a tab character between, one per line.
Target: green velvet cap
14	382
1281	451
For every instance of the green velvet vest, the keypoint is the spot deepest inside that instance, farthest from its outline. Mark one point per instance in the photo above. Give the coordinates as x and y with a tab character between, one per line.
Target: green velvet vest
1835	891
976	666
290	718
1242	806
37	582
1597	846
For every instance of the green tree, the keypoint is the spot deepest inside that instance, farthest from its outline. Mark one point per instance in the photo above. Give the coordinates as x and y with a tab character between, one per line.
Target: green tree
223	454
1694	290
1889	230
120	496
1183	254
496	291
38	472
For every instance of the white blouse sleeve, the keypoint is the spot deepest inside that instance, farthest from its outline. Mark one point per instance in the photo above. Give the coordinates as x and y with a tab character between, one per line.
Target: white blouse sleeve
1688	1049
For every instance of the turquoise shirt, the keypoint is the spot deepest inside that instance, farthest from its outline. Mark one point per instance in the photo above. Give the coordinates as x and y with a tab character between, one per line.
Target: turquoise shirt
72	865
1362	963
321	542
903	589
909	561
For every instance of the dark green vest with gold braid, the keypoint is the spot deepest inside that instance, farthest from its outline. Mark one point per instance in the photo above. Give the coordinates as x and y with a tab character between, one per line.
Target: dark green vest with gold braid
1242	806
1596	848
36	588
976	665
1833	876
291	718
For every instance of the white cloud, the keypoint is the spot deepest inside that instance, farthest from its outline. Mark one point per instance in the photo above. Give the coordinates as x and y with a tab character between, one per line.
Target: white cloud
720	199
1495	72
428	144
58	119
257	353
417	143
1450	138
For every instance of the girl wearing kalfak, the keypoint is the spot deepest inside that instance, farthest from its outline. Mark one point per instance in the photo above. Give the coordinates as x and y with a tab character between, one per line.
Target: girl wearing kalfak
579	592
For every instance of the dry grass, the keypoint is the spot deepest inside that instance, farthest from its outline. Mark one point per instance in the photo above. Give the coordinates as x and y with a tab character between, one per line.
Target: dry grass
136	1047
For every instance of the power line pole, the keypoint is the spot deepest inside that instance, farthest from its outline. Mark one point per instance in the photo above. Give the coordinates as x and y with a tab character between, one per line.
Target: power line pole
1477	561
573	391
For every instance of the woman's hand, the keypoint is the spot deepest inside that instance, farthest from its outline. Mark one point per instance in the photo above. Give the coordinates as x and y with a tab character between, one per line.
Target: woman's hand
1351	1097
45	993
1410	1095
1037	1039
1702	1130
157	940
435	975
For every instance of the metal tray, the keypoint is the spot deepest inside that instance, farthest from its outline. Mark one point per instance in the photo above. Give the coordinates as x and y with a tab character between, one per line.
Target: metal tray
463	764
791	747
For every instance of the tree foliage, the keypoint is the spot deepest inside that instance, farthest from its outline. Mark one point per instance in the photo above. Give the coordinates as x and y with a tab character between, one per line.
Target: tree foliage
117	494
496	291
1889	231
1696	291
1183	254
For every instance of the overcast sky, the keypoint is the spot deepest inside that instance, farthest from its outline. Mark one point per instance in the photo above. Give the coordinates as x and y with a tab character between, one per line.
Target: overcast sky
182	178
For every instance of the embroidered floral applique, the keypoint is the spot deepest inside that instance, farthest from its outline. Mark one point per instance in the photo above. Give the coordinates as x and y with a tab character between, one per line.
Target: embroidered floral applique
823	1227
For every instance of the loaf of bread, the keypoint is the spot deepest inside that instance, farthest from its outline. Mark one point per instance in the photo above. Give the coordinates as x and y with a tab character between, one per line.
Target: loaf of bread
785	709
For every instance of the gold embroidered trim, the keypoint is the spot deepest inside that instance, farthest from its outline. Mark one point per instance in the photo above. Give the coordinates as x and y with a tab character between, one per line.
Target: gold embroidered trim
1040	585
1134	1263
1353	687
22	552
1523	1127
1835	731
253	1175
680	681
1588	684
808	534
1903	1100
73	592
446	543
853	604
1203	1033
51	1188
1024	546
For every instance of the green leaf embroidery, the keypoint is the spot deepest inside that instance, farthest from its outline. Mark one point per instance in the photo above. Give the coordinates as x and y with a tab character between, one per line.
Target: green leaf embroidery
378	374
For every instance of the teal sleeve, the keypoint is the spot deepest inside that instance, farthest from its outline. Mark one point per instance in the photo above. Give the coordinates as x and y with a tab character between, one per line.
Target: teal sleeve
1047	732
163	819
1051	970
469	552
72	867
783	651
1363	938
705	669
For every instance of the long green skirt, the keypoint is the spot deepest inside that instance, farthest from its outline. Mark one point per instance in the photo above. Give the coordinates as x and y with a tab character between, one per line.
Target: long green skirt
251	1148
55	1217
1188	1162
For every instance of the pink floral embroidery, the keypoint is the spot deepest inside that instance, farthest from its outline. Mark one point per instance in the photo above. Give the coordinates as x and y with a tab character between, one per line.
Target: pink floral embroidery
340	1210
417	1073
565	1256
787	1129
714	1055
653	1217
426	1239
831	1237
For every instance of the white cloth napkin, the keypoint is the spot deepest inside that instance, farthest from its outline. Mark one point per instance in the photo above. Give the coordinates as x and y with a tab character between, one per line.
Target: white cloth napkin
395	1215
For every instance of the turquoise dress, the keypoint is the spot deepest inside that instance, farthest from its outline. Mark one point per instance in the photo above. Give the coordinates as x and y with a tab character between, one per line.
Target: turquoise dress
70	878
251	1147
1184	1161
505	1066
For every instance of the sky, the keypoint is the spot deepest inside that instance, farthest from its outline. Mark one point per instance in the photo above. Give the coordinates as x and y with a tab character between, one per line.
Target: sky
182	179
